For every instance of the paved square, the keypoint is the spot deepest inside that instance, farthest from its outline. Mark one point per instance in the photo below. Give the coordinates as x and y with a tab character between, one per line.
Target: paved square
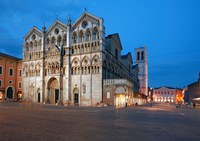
32	122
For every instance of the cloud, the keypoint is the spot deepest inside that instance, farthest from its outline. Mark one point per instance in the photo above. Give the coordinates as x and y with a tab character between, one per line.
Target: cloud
8	44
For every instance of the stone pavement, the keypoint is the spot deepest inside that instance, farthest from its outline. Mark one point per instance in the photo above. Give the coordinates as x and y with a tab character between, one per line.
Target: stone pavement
157	122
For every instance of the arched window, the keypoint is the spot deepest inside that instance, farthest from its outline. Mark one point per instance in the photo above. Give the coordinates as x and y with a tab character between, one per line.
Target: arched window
39	44
35	44
81	36
95	33
88	35
138	55
53	39
26	47
59	38
142	55
74	37
65	39
31	46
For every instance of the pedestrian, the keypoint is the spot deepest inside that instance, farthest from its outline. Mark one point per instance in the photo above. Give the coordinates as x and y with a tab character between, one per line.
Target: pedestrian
194	105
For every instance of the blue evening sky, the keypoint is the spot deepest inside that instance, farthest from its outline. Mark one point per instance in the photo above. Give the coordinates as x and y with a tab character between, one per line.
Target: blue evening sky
169	28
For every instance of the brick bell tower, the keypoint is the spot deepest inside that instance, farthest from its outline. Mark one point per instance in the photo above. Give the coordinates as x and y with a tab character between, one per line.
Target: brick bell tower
141	55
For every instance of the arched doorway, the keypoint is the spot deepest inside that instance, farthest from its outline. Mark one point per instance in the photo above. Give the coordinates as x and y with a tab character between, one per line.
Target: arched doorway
120	98
10	93
76	96
53	91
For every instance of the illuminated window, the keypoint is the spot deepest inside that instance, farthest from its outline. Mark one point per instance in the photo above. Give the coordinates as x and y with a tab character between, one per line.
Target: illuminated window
108	94
1	96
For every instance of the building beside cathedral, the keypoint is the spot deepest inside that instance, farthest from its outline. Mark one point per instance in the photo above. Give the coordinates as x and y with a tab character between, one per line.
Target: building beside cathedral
168	94
192	92
10	78
76	63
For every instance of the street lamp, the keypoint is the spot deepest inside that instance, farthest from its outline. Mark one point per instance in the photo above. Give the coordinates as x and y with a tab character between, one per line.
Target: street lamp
62	53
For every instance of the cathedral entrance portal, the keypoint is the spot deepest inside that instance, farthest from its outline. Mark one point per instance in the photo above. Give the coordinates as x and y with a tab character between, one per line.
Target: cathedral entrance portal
56	95
76	96
53	91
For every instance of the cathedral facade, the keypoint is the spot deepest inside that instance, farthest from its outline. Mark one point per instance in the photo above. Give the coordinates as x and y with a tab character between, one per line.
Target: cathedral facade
68	63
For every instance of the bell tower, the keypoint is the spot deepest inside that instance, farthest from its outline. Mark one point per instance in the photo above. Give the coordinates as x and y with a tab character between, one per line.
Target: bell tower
141	57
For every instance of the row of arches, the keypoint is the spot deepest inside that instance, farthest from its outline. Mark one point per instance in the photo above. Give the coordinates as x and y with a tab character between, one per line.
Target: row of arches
50	40
86	61
77	37
85	70
85	36
86	47
32	69
32	55
86	65
33	45
53	68
56	40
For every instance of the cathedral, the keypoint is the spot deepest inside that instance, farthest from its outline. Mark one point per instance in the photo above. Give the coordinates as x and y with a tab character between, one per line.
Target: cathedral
76	64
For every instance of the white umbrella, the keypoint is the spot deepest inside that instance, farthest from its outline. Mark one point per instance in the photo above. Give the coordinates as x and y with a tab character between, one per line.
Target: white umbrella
196	99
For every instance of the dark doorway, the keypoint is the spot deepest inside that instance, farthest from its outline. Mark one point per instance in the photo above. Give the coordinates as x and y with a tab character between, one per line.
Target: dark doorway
10	93
56	95
76	98
38	97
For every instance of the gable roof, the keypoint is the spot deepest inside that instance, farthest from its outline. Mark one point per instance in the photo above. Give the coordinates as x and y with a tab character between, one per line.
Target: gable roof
57	22
84	15
33	29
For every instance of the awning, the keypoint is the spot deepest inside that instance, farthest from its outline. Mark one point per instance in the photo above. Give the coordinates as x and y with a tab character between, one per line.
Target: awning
196	99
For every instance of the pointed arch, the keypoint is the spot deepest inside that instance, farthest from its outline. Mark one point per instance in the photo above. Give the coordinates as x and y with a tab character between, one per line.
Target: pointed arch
95	59
85	61
35	43
25	69
75	62
53	39
65	39
59	39
31	46
74	37
95	33
75	65
88	35
26	46
38	69
81	36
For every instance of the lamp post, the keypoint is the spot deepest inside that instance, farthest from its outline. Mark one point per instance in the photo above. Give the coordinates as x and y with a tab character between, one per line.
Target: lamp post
43	63
61	50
